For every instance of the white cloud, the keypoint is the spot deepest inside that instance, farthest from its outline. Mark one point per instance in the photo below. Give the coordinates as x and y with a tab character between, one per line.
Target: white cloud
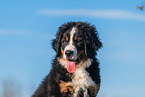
19	32
107	14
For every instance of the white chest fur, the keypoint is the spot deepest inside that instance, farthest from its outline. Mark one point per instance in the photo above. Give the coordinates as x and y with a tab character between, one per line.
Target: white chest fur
81	78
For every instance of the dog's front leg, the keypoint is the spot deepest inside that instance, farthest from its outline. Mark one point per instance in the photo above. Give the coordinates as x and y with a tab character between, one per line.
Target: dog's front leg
93	90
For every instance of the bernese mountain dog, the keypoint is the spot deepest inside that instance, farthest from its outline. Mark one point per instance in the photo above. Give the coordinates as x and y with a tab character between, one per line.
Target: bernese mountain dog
75	69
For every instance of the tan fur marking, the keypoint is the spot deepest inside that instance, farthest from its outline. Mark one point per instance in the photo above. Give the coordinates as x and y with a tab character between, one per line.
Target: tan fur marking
62	59
83	54
62	51
66	87
66	38
76	37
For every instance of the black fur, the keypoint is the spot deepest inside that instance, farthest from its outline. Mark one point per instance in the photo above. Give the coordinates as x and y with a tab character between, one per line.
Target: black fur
91	43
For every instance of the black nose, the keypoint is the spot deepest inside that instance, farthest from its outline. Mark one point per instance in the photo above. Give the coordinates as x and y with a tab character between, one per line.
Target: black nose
69	53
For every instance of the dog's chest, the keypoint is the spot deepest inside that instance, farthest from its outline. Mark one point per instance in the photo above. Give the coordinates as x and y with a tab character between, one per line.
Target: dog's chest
82	80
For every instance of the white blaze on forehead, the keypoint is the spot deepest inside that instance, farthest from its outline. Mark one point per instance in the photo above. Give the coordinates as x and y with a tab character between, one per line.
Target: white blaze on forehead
70	45
72	35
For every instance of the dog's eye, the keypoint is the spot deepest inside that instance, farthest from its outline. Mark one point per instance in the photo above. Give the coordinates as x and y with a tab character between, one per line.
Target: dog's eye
65	42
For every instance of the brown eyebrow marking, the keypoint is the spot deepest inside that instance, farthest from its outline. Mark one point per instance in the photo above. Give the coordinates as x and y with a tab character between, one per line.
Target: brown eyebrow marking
66	38
76	37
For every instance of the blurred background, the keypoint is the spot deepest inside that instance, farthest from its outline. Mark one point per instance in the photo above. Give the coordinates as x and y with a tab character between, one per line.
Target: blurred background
28	27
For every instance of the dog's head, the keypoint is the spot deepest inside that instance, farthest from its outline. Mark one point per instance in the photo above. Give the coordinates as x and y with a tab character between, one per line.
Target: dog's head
76	41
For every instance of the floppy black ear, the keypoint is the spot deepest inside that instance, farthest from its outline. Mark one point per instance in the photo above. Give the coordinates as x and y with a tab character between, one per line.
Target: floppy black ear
91	42
56	43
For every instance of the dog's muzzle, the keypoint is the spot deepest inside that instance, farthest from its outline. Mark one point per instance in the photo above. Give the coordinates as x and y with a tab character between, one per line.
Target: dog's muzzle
70	53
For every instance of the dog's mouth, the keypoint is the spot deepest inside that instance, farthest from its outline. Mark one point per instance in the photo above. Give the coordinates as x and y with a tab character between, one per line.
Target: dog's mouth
71	64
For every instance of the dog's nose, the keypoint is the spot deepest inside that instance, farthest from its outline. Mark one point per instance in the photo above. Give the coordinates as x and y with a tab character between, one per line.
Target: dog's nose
69	53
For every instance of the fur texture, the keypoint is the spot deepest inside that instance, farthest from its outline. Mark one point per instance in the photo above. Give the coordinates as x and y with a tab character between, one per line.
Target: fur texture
75	70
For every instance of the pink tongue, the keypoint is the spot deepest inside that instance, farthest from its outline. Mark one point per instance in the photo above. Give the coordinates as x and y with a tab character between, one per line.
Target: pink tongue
71	66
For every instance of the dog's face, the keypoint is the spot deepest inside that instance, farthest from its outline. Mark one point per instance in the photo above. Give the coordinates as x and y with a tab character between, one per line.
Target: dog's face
72	44
75	42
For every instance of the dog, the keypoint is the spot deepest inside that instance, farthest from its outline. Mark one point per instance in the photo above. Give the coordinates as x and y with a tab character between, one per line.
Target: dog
75	70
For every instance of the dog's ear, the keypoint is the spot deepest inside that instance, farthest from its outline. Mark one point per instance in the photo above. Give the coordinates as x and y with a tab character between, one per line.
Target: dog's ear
56	43
91	42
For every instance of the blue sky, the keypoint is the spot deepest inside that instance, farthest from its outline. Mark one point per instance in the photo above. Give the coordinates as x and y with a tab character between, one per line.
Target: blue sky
27	28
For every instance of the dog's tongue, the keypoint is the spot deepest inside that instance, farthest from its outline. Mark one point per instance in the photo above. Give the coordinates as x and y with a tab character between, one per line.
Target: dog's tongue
71	66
